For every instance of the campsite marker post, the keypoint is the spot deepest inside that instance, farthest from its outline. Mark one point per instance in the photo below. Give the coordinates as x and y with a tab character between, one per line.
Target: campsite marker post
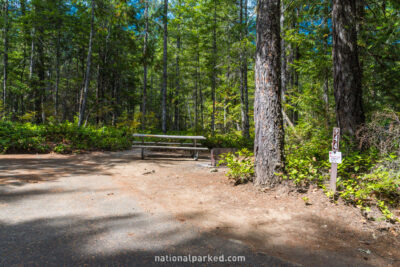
335	157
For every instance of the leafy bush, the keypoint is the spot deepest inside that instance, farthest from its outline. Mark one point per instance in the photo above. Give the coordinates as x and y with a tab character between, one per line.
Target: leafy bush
240	164
228	140
60	138
365	179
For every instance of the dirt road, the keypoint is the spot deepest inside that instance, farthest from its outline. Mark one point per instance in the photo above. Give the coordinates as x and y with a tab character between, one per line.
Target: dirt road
113	209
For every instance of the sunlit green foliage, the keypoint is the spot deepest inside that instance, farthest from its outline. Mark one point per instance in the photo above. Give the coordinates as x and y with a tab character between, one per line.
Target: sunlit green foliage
240	164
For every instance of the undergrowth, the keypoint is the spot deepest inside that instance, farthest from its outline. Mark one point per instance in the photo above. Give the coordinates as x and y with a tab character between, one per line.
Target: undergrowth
64	137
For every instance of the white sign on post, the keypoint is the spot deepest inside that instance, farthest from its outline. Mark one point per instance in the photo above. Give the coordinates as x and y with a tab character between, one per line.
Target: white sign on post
335	157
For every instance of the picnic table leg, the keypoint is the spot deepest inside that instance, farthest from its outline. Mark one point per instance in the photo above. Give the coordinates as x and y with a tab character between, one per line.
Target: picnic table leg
142	148
196	153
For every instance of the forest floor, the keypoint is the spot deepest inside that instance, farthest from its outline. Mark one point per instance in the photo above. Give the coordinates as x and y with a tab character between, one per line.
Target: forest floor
115	209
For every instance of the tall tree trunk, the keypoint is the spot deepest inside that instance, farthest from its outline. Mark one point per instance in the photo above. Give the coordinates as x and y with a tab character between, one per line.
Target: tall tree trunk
58	55
32	56
269	135
178	84
214	68
246	85
40	86
5	55
146	32
243	71
327	70
165	73
87	75
346	67
197	75
284	72
98	88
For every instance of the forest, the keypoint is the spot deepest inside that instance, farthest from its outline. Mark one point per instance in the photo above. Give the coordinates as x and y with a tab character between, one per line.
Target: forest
270	77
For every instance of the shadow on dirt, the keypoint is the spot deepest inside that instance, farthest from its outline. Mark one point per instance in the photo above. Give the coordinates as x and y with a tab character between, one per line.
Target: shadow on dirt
44	169
135	238
73	241
130	240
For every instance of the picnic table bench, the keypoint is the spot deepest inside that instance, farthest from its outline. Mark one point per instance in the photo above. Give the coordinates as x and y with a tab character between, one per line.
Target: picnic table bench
193	146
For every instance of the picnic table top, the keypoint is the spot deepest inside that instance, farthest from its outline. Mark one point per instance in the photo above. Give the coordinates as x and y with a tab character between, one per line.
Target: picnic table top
171	136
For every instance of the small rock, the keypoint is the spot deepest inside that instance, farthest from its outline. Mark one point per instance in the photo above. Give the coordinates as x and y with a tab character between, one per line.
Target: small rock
149	172
264	189
366	251
214	170
324	226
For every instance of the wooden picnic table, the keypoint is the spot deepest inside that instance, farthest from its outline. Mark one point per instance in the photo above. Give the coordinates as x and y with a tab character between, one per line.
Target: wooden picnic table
167	145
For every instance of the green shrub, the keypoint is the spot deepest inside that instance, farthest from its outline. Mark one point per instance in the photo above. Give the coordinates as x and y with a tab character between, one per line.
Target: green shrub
228	140
240	164
60	138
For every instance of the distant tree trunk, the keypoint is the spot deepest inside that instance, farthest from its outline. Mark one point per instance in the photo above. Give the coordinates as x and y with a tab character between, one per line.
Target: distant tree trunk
146	32
5	55
40	87
98	88
360	14
201	106
178	84
243	71
284	72
269	135
24	27
346	67
214	68
58	55
327	70
165	73
87	75
32	56
196	102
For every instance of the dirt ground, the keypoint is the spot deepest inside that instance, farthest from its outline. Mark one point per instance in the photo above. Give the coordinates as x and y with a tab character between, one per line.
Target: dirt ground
275	222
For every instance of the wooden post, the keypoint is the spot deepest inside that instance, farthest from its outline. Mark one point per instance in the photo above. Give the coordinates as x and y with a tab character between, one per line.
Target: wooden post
334	165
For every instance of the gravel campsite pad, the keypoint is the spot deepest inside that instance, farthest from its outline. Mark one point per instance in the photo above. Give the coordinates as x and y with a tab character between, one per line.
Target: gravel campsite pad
113	209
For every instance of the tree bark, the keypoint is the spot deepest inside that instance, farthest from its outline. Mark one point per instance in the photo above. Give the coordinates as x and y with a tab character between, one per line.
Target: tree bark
5	55
327	71
269	134
87	75
346	68
32	56
58	55
40	86
178	83
243	71
284	73
214	68
144	96
165	73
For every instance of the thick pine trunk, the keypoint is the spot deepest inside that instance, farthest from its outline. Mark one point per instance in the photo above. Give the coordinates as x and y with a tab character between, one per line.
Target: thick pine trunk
269	134
87	75
165	73
346	67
